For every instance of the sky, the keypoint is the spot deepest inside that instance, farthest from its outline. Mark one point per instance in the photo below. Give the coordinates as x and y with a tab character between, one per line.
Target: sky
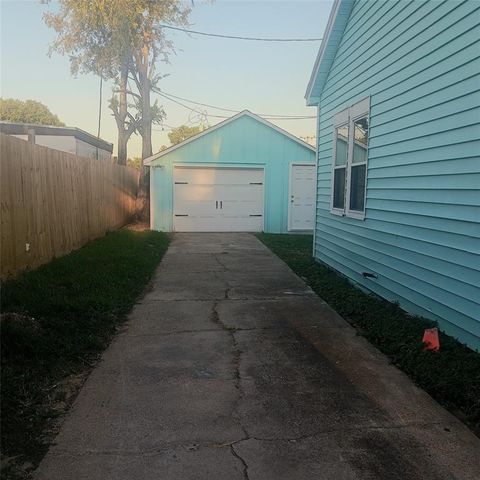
263	77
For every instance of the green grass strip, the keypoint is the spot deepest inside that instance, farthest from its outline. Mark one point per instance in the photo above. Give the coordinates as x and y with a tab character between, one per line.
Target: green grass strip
451	376
63	315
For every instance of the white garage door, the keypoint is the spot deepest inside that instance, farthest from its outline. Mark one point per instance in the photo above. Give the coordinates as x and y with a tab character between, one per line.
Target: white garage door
217	199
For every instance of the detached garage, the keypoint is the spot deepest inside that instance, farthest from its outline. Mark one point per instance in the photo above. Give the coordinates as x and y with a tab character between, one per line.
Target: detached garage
243	174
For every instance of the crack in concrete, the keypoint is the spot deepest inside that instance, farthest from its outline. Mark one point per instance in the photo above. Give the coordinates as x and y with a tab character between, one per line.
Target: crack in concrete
346	430
169	334
159	300
242	460
171	447
219	298
237	355
207	330
231	332
215	256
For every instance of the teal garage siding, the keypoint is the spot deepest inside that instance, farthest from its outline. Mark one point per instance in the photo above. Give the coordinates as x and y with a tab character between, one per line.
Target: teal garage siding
419	63
244	141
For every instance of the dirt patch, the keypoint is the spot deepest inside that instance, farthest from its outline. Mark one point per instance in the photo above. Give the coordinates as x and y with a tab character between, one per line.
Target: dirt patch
137	226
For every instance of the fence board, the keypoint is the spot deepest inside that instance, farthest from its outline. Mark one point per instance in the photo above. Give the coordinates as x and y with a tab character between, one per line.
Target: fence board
56	202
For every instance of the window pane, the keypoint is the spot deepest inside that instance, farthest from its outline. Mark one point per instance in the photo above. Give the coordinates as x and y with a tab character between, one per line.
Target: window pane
361	140
341	135
339	188
357	188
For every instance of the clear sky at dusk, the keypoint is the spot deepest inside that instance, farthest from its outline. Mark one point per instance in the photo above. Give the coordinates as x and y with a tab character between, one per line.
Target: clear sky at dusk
263	77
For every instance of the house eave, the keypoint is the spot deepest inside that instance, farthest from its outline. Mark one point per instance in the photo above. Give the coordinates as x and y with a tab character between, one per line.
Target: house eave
331	39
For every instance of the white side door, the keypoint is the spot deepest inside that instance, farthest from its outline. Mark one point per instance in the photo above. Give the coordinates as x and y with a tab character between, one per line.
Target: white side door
210	199
302	197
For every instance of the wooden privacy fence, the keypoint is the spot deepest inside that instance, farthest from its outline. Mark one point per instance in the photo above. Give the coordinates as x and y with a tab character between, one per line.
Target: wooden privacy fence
53	202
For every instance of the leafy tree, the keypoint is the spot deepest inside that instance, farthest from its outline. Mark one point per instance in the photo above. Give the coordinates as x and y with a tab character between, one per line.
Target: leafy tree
121	40
135	162
28	111
181	133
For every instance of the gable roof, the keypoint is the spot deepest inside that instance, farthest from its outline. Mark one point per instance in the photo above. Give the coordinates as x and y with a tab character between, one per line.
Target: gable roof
331	40
244	113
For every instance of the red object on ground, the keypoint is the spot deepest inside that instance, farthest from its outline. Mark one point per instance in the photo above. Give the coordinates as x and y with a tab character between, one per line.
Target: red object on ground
431	340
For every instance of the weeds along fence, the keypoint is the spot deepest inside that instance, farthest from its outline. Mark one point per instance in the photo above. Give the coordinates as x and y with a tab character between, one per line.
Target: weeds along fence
53	202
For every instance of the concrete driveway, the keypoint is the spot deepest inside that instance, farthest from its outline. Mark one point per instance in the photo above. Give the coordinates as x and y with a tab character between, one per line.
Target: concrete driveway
231	368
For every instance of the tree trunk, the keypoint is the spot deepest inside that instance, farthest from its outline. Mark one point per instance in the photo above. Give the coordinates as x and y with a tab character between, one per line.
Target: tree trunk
146	120
123	136
146	143
143	198
145	87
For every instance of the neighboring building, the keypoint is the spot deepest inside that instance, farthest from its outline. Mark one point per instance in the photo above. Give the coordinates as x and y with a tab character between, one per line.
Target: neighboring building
397	87
66	139
244	174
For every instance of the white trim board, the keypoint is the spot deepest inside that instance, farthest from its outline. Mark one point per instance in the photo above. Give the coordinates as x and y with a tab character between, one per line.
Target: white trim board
332	37
246	113
323	45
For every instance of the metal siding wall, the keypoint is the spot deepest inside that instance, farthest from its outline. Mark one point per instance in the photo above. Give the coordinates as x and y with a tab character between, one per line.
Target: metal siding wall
242	143
419	62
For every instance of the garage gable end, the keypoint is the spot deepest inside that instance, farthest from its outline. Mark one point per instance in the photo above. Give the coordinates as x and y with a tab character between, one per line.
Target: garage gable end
244	135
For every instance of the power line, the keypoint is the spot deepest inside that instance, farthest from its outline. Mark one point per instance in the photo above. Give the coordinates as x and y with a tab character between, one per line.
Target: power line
173	98
187	107
199	103
233	37
270	115
164	125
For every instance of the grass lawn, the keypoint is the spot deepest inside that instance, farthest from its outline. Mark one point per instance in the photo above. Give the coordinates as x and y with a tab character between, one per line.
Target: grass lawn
62	315
451	376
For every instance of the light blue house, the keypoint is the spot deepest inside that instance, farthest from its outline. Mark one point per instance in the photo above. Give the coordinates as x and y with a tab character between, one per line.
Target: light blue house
243	174
397	85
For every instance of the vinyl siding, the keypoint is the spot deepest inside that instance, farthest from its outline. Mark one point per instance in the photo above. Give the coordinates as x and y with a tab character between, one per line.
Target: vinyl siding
419	62
243	143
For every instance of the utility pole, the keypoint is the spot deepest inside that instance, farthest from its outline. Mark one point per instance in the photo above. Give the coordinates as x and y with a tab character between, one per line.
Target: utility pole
310	139
99	111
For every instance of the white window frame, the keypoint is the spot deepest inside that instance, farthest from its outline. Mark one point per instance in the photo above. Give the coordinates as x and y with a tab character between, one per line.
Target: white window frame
349	116
341	119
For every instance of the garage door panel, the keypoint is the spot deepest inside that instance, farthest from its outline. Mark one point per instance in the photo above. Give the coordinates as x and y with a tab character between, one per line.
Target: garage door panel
241	200
198	176
218	199
218	176
192	199
209	224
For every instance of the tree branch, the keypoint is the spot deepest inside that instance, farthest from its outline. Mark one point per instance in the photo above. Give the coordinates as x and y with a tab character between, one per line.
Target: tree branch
129	92
151	69
130	129
135	70
133	120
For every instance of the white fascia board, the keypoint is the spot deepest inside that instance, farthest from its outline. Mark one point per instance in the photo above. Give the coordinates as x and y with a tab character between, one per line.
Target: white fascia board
321	51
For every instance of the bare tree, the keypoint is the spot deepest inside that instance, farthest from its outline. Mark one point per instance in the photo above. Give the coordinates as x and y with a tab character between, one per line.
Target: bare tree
121	40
